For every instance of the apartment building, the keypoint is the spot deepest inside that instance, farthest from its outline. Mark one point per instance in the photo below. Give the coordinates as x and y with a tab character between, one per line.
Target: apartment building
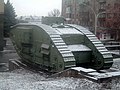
70	10
91	14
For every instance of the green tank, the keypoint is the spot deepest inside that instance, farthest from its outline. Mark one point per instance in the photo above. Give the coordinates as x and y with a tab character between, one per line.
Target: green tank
59	47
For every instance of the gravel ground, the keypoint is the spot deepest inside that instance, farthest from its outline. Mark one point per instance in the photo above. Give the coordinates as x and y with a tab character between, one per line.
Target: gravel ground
26	80
22	79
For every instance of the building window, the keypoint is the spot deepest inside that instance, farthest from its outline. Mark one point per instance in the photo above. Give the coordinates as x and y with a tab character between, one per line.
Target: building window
105	35
68	9
109	15
111	36
103	6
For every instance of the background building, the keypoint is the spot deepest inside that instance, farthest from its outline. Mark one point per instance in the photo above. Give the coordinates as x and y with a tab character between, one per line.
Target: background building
29	19
1	24
70	10
94	15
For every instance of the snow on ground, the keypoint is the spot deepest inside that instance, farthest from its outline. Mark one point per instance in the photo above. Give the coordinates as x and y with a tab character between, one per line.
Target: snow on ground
21	79
26	80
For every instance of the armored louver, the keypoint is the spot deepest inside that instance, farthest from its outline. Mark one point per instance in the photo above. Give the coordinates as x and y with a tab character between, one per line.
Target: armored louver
45	49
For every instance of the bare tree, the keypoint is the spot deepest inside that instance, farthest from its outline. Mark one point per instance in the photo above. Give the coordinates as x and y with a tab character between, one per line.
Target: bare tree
54	13
113	19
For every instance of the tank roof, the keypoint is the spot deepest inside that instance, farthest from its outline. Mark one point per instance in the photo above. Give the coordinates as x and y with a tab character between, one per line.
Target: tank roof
68	30
78	47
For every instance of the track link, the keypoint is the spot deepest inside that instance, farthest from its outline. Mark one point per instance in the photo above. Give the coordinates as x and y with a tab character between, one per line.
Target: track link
63	49
103	58
68	57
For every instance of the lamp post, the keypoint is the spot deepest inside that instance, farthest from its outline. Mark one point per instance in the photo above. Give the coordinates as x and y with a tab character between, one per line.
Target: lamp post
96	20
96	17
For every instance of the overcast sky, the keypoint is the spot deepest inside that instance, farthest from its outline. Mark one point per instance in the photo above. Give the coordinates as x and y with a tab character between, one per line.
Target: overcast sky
35	7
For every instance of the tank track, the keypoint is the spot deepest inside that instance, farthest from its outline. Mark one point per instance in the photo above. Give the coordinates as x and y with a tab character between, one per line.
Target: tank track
63	49
102	57
68	57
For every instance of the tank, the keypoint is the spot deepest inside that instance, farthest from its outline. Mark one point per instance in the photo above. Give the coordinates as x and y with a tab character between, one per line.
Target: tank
59	47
